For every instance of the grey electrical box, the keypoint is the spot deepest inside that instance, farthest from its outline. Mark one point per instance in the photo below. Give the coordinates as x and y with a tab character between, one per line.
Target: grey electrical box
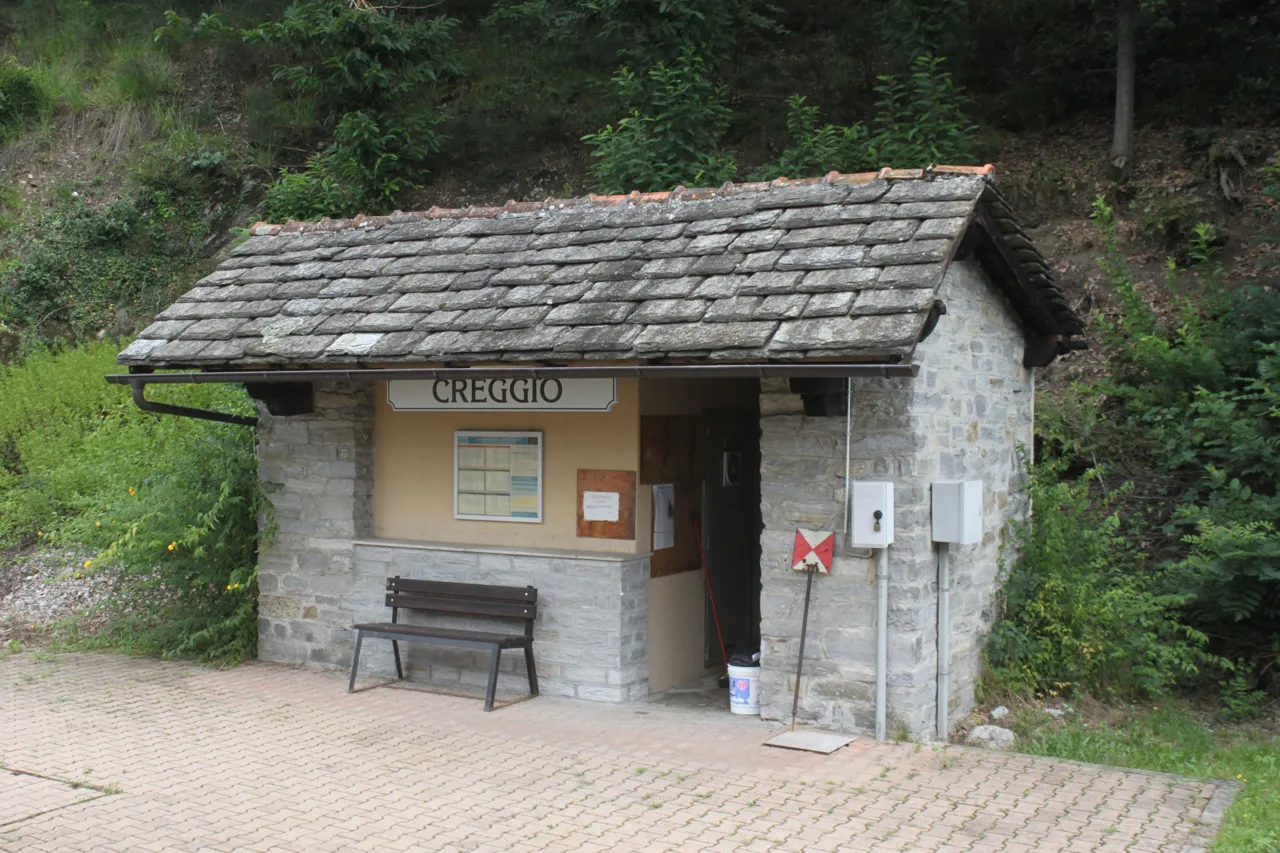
957	511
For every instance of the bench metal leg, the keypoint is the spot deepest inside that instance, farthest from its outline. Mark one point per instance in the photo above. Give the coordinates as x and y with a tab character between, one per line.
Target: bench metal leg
493	679
355	662
533	672
395	650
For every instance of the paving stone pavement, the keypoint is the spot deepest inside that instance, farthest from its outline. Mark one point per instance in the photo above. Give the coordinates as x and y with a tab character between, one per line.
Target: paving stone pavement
171	757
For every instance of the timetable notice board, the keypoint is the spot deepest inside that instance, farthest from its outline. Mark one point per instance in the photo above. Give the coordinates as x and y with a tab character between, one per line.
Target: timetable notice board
498	475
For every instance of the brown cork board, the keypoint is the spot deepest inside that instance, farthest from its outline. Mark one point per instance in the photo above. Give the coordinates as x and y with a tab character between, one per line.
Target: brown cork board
621	482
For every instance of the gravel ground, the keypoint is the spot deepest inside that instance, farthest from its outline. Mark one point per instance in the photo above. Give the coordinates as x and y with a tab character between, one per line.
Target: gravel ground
42	587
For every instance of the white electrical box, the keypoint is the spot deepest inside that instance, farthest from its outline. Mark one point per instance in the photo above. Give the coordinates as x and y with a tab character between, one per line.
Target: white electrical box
957	512
871	515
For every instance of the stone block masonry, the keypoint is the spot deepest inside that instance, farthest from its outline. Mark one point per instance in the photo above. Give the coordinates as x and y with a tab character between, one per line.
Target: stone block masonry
323	571
964	417
318	472
590	638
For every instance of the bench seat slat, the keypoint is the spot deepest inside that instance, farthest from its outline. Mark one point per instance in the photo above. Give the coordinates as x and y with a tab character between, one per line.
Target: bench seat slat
462	590
506	641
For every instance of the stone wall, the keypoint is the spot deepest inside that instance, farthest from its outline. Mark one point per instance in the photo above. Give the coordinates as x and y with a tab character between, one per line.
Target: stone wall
318	471
322	572
590	637
963	417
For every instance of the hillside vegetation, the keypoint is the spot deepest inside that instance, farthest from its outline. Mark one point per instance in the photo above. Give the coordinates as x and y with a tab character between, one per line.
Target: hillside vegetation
140	138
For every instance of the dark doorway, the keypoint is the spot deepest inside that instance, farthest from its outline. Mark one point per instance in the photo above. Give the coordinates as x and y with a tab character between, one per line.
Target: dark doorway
731	509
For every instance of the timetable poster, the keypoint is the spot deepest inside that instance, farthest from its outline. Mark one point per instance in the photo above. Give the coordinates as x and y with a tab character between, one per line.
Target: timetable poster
499	475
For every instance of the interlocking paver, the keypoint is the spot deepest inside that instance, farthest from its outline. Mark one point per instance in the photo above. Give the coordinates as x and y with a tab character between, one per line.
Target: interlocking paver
273	759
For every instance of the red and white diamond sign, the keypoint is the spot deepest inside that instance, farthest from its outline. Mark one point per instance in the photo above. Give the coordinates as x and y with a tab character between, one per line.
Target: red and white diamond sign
813	550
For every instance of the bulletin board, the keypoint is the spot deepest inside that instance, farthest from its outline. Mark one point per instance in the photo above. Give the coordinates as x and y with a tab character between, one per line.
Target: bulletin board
497	475
601	516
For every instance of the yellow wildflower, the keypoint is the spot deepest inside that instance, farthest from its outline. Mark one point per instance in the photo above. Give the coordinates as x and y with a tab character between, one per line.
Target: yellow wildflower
131	491
78	575
88	563
173	545
39	532
228	587
97	524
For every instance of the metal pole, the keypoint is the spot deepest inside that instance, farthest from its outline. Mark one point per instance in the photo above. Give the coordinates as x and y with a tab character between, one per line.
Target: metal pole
804	626
882	640
944	641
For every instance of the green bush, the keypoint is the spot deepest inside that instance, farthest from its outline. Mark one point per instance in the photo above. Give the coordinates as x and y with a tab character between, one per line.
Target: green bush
1075	614
368	71
19	94
1190	406
85	264
919	122
172	502
676	118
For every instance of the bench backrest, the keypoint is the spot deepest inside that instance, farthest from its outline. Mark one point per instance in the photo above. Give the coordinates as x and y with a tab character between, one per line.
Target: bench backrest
463	599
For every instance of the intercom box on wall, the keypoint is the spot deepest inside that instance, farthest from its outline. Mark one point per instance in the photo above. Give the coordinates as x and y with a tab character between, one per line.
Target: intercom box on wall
957	512
871	515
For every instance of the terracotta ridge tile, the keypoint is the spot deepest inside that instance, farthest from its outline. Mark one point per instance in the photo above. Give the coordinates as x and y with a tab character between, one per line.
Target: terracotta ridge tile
593	200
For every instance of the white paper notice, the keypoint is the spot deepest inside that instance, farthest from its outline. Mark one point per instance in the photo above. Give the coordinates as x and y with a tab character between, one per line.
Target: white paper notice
600	506
664	516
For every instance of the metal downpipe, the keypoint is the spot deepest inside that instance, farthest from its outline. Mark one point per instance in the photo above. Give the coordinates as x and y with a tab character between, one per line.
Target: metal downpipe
882	641
944	641
141	401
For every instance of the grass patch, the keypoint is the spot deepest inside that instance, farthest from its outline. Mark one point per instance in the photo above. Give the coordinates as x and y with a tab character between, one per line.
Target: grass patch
1172	738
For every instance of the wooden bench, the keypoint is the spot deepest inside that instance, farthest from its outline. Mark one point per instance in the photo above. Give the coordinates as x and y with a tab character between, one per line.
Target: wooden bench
459	599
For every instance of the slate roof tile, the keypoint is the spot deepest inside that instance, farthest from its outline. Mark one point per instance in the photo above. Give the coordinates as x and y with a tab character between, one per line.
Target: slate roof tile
720	287
829	304
683	337
911	252
766	283
839	281
915	299
821	258
756	241
781	306
668	311
841	266
731	310
426	282
589	313
220	329
829	235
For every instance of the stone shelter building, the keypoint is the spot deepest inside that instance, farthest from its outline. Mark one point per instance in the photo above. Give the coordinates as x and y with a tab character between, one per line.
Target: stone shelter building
492	395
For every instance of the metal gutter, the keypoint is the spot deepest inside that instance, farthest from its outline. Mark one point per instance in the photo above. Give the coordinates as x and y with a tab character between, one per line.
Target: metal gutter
746	371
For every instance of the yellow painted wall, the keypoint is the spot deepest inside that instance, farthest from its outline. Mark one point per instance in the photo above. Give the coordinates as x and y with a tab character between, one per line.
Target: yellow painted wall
676	630
413	472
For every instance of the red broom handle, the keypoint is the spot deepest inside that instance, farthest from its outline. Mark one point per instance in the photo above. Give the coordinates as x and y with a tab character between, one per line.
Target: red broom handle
706	574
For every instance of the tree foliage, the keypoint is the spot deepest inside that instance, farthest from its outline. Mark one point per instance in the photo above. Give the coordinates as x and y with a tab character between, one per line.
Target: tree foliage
676	118
1190	412
365	70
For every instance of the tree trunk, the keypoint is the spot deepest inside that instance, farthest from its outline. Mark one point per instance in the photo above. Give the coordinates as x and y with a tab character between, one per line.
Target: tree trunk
1126	80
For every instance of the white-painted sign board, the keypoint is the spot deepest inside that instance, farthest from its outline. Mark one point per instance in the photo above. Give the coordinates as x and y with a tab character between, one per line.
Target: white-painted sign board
664	516
519	394
600	506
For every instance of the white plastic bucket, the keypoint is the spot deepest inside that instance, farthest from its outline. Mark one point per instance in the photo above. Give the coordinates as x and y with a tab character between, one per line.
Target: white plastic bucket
744	689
